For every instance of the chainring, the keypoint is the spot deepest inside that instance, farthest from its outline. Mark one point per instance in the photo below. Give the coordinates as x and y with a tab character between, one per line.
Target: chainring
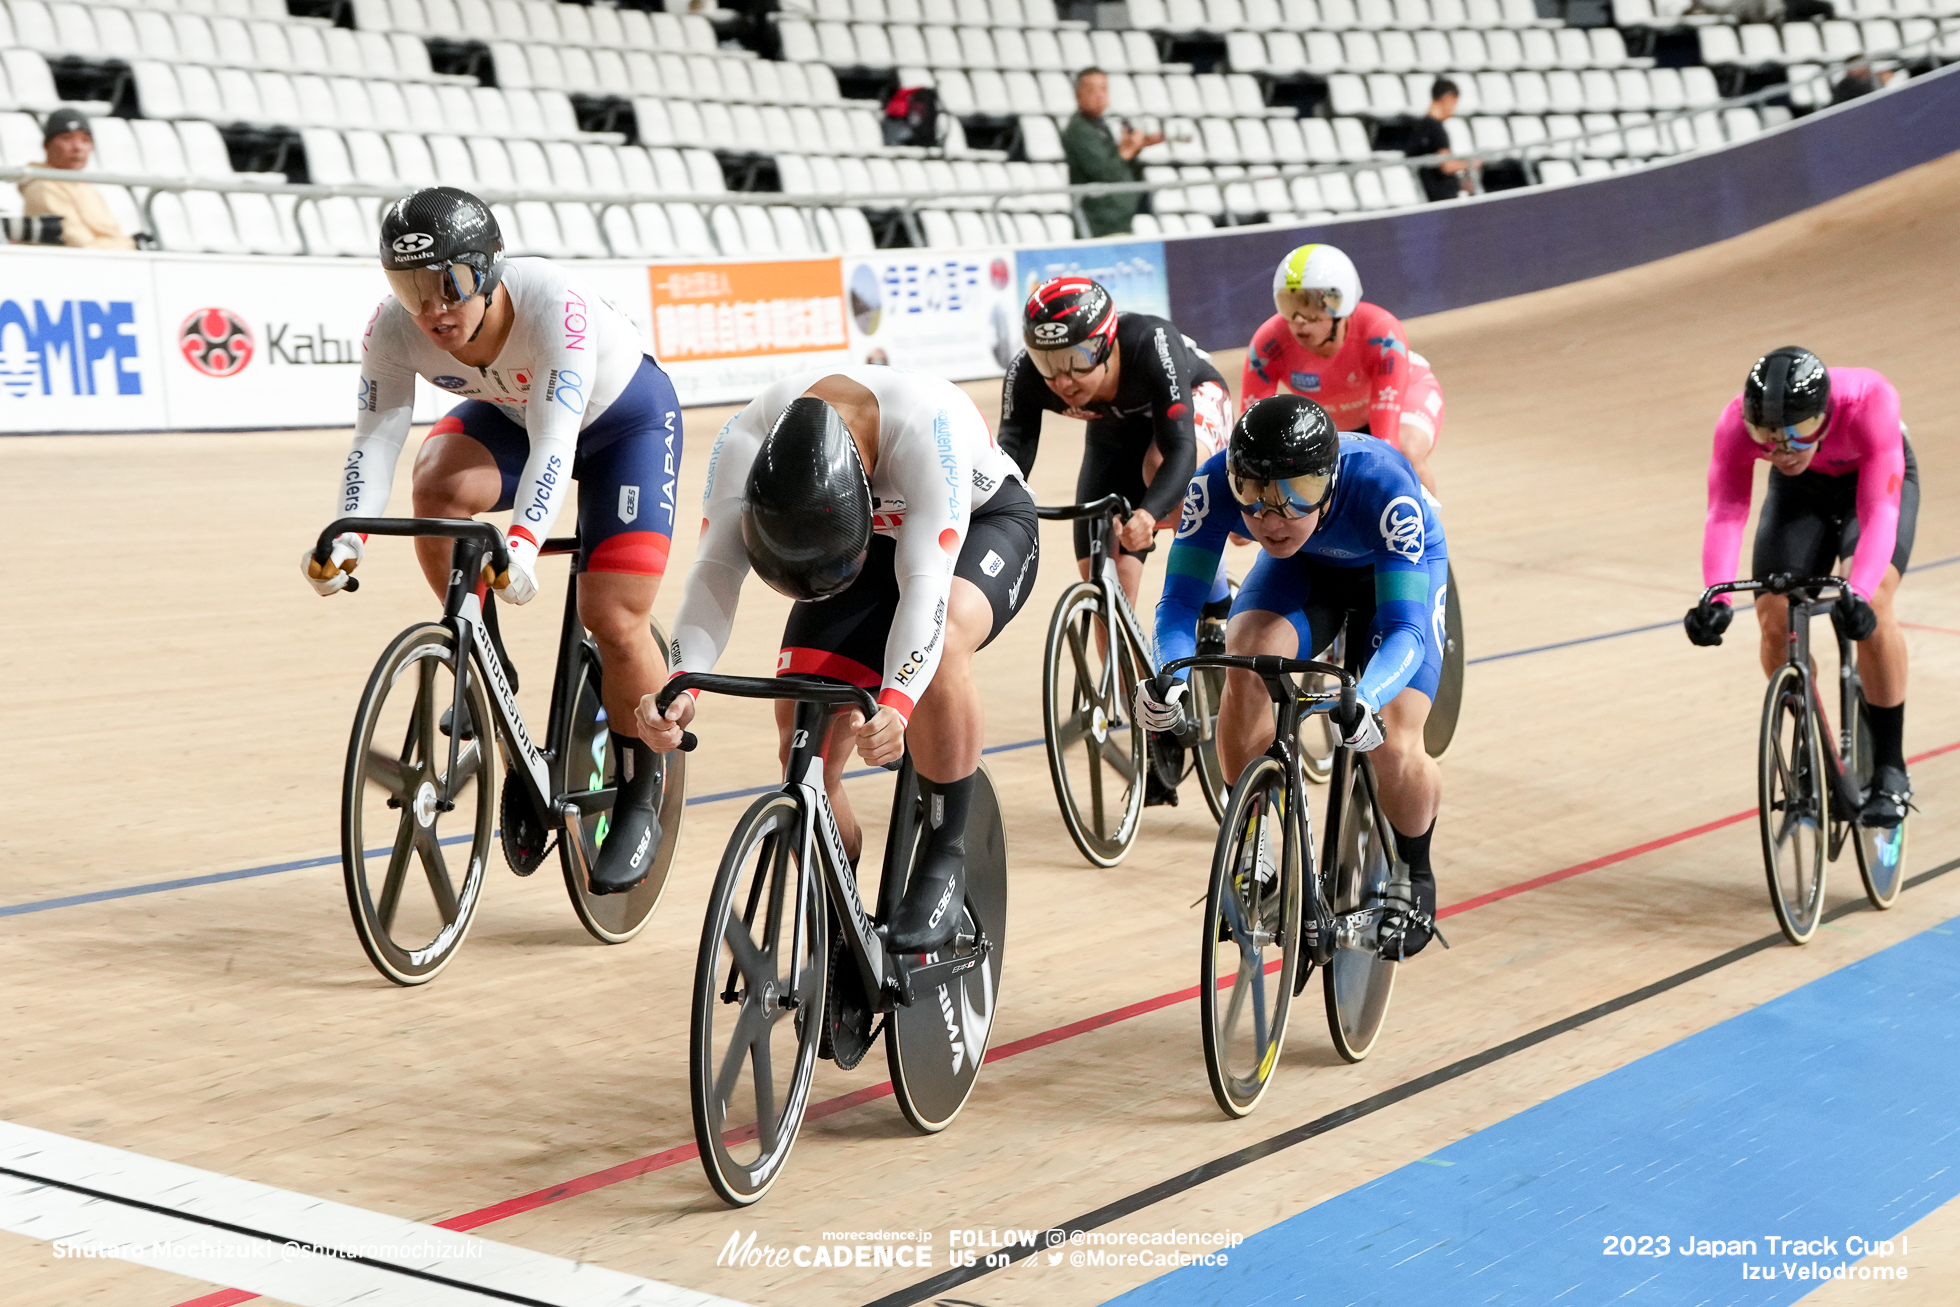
847	1033
526	839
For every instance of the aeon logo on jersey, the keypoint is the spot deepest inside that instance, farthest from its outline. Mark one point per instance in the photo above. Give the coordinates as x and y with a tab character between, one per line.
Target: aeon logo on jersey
217	342
1402	531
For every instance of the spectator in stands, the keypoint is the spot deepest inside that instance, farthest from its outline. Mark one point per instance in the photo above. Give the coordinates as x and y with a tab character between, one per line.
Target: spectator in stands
86	222
1427	136
1857	80
1095	154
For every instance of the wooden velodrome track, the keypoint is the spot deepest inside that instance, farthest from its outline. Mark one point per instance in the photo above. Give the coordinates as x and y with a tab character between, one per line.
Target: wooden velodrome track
175	704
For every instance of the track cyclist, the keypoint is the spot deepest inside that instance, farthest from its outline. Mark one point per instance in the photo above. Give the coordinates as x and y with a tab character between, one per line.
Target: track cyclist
879	502
1843	485
1343	526
1155	408
557	385
1350	357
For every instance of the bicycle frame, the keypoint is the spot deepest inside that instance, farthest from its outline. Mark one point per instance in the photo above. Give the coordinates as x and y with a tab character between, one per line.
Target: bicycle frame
470	615
888	980
1102	568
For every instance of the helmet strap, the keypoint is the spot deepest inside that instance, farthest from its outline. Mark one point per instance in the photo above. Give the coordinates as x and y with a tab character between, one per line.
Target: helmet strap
489	298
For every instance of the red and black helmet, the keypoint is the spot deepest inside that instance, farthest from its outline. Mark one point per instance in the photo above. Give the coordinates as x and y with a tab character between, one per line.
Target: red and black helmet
1069	325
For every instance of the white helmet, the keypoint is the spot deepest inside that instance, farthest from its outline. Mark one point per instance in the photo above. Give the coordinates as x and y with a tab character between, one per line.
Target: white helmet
1316	277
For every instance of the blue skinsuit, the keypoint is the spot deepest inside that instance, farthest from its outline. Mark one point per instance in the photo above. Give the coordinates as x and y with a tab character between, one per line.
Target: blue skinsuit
1382	519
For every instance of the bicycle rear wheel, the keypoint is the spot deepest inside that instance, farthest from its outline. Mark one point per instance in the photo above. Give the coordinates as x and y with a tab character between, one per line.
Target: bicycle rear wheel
1440	729
1793	807
590	760
758	1003
410	909
1251	938
1358	981
935	1047
1881	852
1095	754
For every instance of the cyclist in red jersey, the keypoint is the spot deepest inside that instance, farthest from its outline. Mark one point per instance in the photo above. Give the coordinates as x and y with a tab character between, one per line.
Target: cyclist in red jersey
1351	358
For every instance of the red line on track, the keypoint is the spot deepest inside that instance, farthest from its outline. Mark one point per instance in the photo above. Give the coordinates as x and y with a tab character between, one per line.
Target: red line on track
1938	630
858	1097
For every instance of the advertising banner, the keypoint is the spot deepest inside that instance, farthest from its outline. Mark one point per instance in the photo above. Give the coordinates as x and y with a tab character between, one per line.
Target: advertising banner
78	345
725	330
1132	271
951	313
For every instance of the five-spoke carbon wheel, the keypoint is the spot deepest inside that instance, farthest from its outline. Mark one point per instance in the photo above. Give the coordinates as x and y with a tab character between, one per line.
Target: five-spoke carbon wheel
1358	981
758	1003
1251	938
1095	754
1793	805
412	889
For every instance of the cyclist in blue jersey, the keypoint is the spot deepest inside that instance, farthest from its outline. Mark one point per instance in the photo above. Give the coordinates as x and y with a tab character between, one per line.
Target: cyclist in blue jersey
1343	525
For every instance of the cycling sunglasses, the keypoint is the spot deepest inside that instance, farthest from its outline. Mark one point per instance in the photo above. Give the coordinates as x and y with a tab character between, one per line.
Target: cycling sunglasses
444	286
1309	304
1288	496
1071	360
1799	438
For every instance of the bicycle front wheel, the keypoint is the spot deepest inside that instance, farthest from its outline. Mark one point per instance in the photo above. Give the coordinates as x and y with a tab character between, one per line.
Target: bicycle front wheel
758	1003
411	909
1881	851
1358	981
1793	805
1251	939
1095	753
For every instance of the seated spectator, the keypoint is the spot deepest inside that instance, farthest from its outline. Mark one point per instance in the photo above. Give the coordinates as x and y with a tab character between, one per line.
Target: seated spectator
1096	155
86	222
1858	80
1427	135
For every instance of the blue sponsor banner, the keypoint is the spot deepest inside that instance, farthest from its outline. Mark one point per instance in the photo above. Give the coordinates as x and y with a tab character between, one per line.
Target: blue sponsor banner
68	348
1132	272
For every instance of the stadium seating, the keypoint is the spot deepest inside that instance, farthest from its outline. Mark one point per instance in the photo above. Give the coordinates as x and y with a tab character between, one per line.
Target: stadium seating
674	123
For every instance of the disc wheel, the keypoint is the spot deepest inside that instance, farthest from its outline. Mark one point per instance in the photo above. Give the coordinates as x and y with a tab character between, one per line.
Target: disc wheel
1251	939
936	1047
1358	981
758	1003
412	891
589	760
1793	809
1095	755
1440	728
1881	852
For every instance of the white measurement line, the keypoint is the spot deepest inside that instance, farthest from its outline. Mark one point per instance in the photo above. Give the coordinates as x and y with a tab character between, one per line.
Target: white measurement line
93	1201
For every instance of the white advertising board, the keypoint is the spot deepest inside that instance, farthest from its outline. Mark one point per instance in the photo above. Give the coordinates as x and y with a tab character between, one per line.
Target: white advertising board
952	313
78	343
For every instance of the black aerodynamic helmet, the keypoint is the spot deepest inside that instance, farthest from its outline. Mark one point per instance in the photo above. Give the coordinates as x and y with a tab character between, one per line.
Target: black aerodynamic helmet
806	516
441	245
1285	452
1069	325
1787	388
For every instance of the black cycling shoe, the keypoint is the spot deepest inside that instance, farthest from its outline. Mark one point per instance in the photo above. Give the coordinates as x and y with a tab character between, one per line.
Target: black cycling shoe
1891	795
1408	913
634	837
929	915
447	721
1163	768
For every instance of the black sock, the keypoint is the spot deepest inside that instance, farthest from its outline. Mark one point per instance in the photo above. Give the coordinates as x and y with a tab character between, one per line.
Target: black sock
946	803
639	772
1888	735
1414	850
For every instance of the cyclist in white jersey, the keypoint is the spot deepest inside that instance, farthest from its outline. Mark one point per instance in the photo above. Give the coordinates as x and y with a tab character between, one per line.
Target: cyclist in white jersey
880	502
558	385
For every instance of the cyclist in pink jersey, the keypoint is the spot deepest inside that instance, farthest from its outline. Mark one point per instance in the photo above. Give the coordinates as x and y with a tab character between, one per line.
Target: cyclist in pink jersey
1843	485
1351	358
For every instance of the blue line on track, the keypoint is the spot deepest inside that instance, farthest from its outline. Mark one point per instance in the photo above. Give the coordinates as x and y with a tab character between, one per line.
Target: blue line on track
158	887
1823	1114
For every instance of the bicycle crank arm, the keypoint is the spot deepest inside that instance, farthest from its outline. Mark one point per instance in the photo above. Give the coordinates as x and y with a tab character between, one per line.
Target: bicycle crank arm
588	801
572	835
931	975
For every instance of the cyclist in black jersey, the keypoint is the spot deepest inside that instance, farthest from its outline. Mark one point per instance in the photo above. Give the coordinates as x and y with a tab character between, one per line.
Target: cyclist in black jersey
1156	409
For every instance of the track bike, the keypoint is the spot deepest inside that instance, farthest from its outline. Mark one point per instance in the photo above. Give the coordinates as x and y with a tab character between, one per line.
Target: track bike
1273	912
791	966
1811	784
1096	656
408	769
